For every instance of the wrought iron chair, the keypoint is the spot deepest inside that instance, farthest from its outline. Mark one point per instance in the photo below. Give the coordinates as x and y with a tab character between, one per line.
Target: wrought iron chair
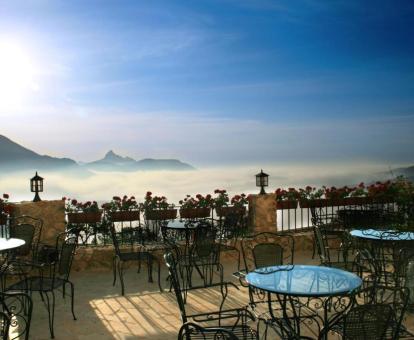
22	258
237	317
52	276
231	229
191	330
324	252
365	322
18	307
134	252
4	326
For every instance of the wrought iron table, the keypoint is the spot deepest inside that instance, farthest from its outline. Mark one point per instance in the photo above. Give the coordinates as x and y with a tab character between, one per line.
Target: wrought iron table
383	235
290	282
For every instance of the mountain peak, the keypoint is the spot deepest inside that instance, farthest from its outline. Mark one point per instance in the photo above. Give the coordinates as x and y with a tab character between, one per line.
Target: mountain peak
111	156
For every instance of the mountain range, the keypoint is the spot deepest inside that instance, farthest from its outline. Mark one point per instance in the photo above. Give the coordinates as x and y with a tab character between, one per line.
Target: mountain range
16	157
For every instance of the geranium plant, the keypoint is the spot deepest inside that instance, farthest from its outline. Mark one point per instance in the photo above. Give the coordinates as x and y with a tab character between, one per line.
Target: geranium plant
221	199
121	204
74	206
155	203
287	195
5	207
239	200
199	201
310	193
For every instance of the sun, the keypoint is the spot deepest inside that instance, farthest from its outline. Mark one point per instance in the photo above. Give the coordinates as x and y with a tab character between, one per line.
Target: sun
16	74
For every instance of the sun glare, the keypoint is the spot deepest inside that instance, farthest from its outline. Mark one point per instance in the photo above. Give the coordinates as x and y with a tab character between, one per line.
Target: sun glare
16	75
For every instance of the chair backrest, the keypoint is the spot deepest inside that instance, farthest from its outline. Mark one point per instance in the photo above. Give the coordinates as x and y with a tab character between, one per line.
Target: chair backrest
321	245
233	225
171	263
18	306
367	322
204	245
65	246
267	254
191	330
282	247
396	297
28	229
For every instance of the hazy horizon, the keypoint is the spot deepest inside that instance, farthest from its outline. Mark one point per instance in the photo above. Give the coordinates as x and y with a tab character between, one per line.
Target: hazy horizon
176	184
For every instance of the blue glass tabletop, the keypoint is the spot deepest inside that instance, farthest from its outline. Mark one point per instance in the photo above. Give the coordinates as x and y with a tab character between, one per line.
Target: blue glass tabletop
304	280
181	224
386	235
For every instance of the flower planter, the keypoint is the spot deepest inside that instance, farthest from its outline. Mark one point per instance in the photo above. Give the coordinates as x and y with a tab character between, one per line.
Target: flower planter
124	216
195	212
162	214
290	204
316	203
224	211
85	217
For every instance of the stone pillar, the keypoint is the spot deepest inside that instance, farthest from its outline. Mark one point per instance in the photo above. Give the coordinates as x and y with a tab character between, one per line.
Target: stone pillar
262	213
51	212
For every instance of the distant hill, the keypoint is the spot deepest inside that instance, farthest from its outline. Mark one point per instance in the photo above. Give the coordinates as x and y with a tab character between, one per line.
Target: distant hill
407	172
114	162
16	157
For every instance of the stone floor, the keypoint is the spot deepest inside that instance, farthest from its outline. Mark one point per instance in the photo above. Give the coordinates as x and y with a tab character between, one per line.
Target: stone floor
143	313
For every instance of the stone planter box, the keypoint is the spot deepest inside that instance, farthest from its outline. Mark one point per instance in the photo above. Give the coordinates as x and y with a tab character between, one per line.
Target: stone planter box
124	216
162	214
82	217
195	213
224	211
286	205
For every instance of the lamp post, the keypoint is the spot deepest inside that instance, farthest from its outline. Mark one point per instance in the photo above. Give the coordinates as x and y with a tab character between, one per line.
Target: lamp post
36	186
262	180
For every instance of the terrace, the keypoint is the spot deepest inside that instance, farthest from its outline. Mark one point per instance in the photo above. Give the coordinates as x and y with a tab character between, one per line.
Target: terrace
145	312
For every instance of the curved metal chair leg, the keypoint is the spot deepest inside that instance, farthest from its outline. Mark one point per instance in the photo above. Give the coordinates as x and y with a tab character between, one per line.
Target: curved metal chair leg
114	270
159	276
121	276
72	290
51	313
149	264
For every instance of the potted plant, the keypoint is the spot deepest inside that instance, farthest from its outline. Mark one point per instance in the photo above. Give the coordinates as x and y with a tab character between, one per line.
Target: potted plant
198	207
311	197
5	209
78	212
336	196
286	199
123	209
158	208
221	203
358	196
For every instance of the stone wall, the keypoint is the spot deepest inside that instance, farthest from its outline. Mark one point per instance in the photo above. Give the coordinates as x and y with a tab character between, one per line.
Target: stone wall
51	212
262	213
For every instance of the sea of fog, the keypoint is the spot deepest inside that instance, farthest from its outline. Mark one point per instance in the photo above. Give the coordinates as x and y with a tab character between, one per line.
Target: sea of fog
102	186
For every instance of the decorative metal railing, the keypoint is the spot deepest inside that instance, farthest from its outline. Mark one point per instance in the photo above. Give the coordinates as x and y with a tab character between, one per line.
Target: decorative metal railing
299	217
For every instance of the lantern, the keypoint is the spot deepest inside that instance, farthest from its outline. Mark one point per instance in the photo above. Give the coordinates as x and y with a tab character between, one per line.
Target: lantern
262	180
36	185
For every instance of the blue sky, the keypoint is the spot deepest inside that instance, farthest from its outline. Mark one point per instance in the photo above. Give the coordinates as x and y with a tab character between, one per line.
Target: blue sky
213	82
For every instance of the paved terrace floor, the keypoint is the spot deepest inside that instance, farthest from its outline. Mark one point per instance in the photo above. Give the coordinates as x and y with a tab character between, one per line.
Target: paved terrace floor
143	313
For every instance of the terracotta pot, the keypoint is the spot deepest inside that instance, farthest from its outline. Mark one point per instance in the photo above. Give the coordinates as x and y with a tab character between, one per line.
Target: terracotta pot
85	217
316	203
195	212
224	211
124	216
286	205
162	214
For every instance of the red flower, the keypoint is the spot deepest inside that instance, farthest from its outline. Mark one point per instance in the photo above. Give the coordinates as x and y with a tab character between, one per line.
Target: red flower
74	202
6	196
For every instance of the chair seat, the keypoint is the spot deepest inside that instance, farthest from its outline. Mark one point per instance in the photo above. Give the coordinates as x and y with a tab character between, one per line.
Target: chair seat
38	284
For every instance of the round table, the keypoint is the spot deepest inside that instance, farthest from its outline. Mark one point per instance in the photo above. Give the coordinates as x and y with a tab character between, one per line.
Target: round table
383	235
10	243
292	281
